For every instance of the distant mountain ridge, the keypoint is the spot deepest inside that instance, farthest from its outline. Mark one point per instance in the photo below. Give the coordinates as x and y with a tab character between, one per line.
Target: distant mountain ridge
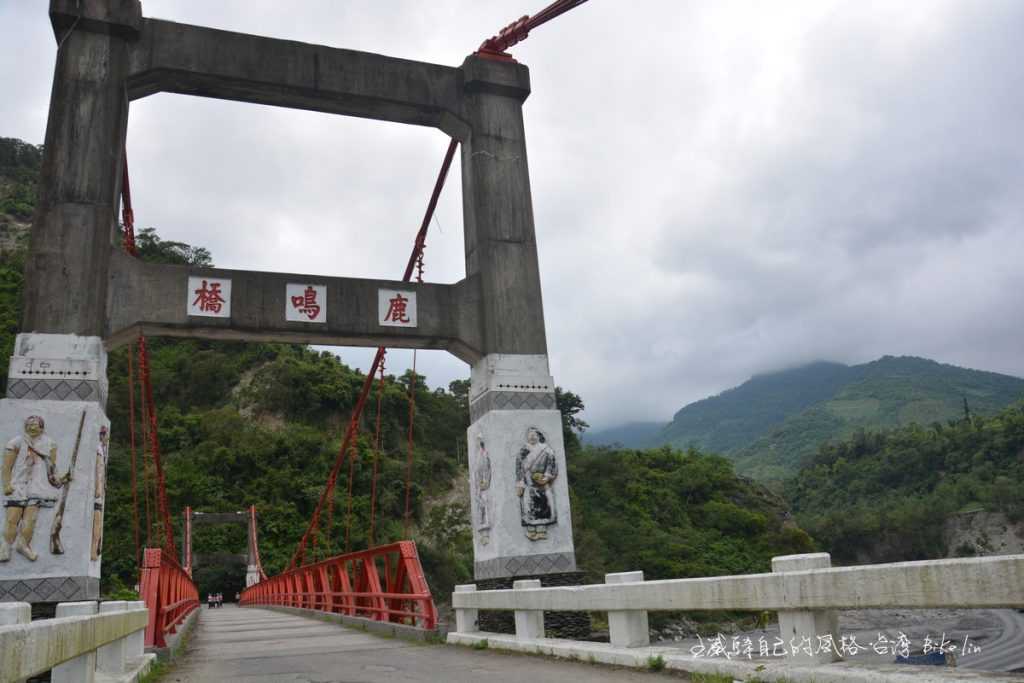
773	422
631	435
735	418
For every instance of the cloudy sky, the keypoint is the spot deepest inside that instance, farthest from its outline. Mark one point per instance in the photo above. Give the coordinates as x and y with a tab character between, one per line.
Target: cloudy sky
721	188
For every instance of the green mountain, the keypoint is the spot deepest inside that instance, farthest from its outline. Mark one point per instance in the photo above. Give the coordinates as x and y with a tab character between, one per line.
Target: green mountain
772	423
735	418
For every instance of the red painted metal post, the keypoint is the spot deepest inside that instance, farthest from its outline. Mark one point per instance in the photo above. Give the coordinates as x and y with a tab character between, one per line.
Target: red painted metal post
150	588
188	540
345	586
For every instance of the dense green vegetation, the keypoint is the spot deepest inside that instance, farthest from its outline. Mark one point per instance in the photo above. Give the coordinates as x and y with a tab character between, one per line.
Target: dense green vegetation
19	173
885	496
770	425
246	423
674	514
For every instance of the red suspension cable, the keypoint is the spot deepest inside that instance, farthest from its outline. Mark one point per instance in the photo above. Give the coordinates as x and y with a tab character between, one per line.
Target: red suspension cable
520	29
131	442
149	417
127	215
348	514
371	538
409	455
154	447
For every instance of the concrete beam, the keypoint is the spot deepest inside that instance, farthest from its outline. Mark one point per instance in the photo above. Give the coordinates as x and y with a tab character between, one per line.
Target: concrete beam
195	60
153	298
982	582
208	518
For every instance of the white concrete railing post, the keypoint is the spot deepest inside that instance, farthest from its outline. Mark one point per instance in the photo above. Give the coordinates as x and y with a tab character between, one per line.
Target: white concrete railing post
529	622
466	619
81	669
13	614
628	627
796	625
110	658
135	643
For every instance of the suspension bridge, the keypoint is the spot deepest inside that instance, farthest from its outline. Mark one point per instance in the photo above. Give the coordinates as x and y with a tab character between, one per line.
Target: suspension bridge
87	292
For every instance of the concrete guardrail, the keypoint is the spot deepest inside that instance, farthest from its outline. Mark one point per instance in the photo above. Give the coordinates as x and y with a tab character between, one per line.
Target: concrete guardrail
86	642
805	590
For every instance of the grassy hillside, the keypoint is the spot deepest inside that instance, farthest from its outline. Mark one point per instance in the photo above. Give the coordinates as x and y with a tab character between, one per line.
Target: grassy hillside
885	496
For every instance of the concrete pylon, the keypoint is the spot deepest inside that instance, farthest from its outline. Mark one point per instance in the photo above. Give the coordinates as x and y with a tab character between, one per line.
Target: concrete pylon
521	519
52	422
522	522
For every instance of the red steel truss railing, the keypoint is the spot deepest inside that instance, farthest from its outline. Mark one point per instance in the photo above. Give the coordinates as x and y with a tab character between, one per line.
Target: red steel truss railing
385	583
169	593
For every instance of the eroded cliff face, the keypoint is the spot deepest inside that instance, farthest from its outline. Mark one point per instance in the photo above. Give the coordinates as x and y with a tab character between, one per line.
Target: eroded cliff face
983	533
13	232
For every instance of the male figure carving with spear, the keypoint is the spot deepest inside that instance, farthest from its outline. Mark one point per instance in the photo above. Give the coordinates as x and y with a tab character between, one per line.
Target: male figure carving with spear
56	547
29	478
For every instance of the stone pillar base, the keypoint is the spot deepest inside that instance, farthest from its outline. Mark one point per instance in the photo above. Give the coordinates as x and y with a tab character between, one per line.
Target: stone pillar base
53	438
573	625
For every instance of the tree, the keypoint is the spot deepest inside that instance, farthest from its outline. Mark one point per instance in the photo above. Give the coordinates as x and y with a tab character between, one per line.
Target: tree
460	390
570	405
155	250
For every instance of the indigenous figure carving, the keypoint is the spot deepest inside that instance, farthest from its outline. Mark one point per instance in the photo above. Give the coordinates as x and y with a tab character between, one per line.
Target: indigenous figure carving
536	469
102	450
482	491
29	483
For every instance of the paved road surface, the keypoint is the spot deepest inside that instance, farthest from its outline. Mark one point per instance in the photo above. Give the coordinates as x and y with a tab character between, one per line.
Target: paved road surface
250	644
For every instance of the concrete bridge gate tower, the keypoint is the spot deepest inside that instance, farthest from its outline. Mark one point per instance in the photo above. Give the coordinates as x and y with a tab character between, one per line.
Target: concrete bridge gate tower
85	297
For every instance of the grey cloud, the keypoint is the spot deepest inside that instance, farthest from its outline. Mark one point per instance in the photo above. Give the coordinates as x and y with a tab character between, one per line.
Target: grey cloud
720	189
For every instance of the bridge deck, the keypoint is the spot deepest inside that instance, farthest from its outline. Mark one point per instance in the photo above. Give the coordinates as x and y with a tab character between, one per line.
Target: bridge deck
258	645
